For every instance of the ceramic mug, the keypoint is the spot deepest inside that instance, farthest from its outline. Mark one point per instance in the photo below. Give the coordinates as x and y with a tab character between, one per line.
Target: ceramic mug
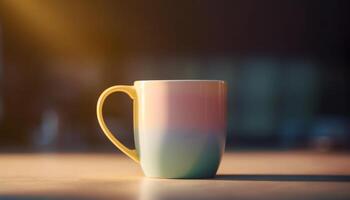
179	126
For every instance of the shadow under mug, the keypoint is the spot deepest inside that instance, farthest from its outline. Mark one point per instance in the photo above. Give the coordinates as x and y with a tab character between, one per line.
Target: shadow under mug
179	126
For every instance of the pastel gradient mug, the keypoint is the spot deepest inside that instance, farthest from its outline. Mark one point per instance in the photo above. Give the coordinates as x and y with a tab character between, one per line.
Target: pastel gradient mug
179	126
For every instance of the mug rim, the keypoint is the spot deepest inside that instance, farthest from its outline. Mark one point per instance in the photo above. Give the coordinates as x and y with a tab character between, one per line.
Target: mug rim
181	80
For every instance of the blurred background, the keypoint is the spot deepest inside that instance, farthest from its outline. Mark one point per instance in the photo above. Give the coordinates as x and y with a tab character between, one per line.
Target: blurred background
286	64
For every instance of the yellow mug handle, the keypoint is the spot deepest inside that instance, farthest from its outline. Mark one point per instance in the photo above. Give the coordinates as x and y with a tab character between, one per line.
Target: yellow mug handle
129	90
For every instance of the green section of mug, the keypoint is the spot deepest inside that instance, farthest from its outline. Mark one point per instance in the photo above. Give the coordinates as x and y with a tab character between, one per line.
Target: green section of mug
176	155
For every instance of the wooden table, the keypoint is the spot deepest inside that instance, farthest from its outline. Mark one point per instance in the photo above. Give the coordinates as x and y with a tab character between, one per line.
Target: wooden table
242	175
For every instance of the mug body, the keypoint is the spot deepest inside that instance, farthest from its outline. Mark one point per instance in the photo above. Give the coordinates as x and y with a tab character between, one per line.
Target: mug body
180	127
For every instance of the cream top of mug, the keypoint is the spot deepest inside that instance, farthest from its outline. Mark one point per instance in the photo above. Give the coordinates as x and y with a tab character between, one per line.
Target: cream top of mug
184	80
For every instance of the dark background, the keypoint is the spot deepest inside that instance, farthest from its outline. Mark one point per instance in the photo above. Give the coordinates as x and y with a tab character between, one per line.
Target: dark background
285	62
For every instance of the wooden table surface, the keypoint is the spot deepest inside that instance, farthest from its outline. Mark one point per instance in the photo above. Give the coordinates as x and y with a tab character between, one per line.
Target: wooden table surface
242	175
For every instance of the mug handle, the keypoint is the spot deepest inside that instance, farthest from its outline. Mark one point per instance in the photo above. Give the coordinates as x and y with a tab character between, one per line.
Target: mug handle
131	92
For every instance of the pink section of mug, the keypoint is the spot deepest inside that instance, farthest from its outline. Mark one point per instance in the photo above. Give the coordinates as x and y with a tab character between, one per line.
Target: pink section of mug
198	106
